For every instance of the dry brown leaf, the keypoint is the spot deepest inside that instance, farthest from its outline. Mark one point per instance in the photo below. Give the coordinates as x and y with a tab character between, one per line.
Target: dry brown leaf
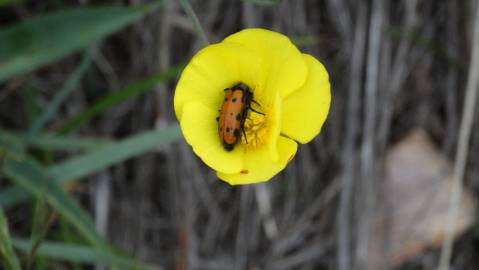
413	202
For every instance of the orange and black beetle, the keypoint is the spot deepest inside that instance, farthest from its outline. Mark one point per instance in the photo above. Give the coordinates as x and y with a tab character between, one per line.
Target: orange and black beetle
233	113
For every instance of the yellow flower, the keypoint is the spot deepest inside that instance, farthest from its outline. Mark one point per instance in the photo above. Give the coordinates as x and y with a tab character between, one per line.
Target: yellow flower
292	91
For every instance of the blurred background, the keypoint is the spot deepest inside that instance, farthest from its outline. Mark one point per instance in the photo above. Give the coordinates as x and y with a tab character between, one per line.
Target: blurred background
96	174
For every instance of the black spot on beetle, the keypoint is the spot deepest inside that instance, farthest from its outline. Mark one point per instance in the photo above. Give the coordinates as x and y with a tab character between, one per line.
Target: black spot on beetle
236	133
228	129
226	99
231	114
234	100
238	117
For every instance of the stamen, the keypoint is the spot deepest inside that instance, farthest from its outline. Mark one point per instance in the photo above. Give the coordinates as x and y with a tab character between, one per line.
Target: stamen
255	130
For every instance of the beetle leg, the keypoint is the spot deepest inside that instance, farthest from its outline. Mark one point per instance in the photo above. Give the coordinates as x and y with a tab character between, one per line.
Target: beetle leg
251	108
244	134
256	111
255	102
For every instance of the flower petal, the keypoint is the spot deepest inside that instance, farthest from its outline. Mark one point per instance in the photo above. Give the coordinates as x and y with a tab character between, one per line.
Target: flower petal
275	128
258	167
213	69
285	69
306	109
200	129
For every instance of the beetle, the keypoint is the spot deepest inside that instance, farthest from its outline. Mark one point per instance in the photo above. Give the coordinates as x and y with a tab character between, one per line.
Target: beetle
233	114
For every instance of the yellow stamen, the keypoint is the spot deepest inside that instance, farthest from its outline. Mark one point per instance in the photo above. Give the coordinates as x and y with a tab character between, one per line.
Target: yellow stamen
255	128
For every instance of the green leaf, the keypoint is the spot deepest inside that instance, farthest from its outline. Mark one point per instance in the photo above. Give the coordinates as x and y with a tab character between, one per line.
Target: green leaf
39	228
78	253
114	153
307	40
120	96
50	141
100	159
47	38
11	195
28	174
69	85
8	258
30	106
264	2
4	3
194	20
54	142
11	144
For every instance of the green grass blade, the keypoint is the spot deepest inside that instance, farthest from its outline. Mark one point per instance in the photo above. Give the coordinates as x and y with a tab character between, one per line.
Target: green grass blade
47	38
54	142
102	158
4	3
196	23
94	161
30	106
39	228
28	174
67	88
264	2
8	258
78	254
11	195
11	144
307	40
120	96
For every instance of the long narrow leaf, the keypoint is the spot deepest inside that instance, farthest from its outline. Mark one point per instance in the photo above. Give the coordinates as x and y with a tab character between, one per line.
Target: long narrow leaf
30	106
264	2
53	142
11	195
40	228
97	160
4	3
54	105
195	21
78	253
44	39
67	143
94	161
120	96
8	258
32	177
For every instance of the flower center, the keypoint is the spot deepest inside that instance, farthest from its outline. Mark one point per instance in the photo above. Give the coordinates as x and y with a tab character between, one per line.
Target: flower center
255	129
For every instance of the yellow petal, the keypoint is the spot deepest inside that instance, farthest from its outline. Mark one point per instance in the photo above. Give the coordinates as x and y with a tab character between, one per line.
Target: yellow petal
200	129
285	69
306	109
213	69
275	128
258	167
